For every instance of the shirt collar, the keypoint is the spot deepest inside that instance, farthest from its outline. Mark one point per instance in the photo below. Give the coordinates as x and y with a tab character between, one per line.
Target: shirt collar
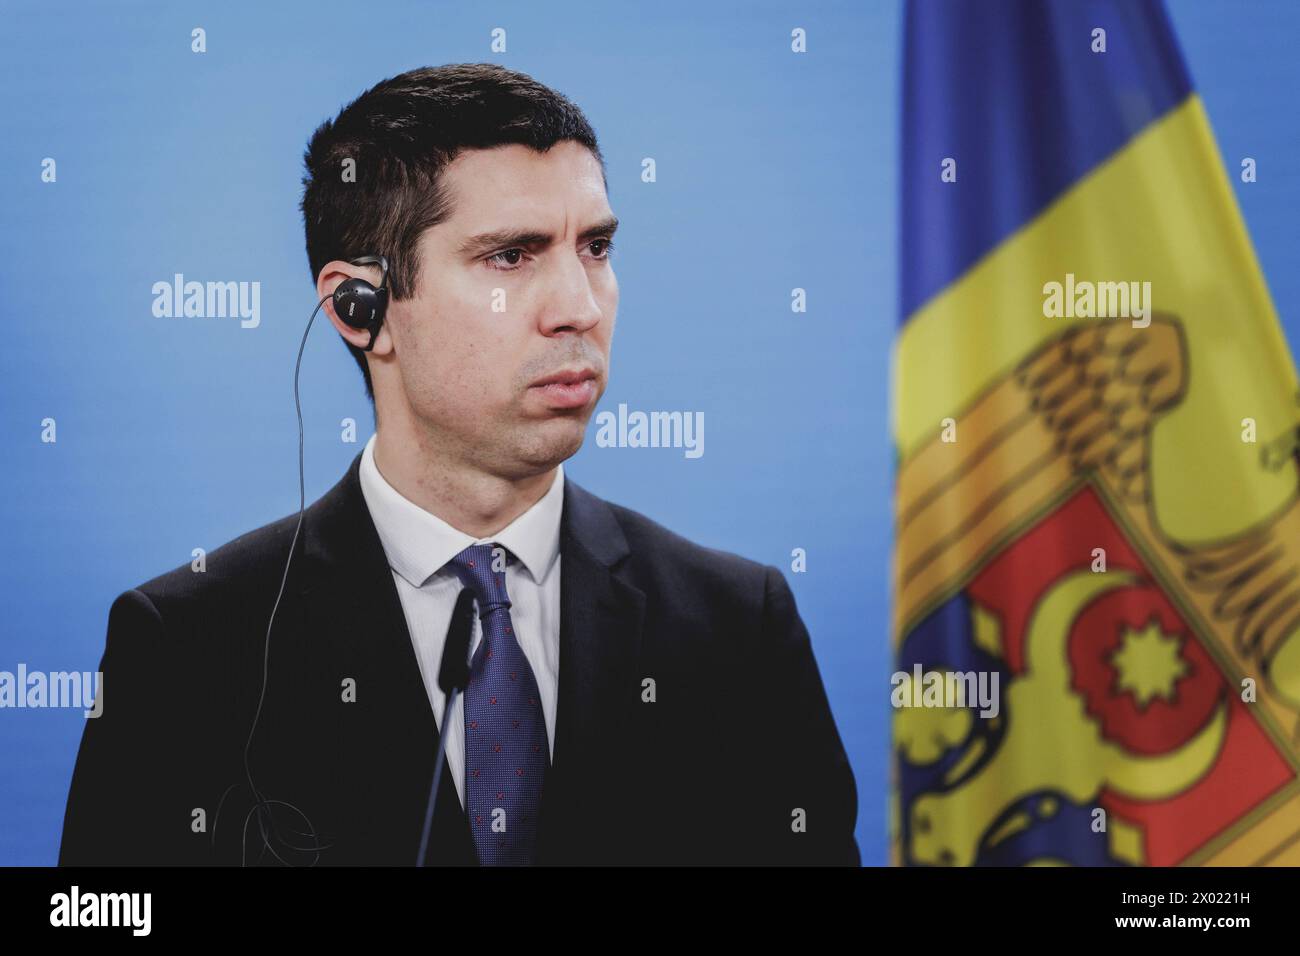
418	543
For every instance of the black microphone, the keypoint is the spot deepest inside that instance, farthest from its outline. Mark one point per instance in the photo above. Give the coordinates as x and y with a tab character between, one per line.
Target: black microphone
453	676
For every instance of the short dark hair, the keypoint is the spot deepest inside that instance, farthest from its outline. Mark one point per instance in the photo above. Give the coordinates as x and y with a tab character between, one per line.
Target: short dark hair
401	134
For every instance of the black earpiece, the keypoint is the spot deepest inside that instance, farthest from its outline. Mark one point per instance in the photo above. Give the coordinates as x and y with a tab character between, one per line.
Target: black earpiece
361	305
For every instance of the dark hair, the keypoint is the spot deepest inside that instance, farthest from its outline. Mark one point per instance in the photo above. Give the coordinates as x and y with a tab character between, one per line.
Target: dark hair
401	134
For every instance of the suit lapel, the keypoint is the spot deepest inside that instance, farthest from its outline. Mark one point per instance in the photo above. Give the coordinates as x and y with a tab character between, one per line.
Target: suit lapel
601	618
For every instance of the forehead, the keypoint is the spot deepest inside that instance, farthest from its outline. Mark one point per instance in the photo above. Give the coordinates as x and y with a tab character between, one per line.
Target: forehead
506	184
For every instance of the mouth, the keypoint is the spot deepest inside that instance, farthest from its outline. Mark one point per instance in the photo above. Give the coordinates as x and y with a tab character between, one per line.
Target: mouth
571	388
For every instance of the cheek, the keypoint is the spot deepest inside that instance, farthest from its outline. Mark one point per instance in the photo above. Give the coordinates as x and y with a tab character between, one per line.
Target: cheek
607	297
443	341
609	303
460	367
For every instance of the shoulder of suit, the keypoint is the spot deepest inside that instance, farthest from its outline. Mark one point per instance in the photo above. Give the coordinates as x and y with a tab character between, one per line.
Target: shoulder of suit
247	568
680	565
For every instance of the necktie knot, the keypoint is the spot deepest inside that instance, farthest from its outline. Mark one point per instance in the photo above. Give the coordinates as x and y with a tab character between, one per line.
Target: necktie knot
482	569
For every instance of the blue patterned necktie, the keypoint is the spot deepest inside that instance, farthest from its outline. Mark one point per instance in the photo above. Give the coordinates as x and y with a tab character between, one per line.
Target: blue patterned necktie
506	751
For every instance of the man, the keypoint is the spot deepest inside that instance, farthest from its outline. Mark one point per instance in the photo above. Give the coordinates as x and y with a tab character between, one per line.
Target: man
634	698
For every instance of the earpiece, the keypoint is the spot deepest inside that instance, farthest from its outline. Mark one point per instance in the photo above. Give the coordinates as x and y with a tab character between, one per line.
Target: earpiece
361	305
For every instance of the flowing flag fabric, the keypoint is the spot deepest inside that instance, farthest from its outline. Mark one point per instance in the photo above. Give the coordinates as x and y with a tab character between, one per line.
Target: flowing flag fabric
1096	616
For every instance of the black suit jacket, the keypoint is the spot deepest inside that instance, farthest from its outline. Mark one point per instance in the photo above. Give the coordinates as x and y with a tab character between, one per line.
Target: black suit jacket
735	748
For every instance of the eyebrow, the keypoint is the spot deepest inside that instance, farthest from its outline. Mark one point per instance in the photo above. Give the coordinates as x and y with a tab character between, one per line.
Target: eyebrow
509	238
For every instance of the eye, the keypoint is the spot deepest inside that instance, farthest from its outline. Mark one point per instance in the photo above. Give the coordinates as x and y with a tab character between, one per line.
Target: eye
606	248
507	265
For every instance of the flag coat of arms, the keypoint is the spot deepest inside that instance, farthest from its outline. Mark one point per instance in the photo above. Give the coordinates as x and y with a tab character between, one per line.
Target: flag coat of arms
1097	501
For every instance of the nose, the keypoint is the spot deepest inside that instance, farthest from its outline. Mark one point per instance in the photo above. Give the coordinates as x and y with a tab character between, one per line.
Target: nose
570	303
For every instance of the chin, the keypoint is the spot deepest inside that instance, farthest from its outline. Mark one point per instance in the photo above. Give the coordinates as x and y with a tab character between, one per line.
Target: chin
554	442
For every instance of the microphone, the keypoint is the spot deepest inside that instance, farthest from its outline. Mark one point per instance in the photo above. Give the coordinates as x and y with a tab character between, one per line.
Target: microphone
453	677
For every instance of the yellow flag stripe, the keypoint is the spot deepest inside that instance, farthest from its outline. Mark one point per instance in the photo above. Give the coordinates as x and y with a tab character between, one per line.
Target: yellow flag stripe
1162	211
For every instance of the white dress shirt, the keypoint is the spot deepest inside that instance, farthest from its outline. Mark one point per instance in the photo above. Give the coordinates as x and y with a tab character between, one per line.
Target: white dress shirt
418	544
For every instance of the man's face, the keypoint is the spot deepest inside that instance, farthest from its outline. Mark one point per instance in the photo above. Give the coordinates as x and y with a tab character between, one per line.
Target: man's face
514	286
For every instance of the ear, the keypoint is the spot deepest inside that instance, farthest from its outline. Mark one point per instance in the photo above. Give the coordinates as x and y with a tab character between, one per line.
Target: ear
336	272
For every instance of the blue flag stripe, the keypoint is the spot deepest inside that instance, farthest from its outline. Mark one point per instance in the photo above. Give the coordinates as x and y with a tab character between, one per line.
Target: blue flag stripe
1012	90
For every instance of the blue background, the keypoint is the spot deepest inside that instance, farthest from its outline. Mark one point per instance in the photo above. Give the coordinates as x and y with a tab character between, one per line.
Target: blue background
775	170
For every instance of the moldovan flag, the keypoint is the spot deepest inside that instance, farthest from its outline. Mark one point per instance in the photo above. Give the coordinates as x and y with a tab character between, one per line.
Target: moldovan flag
1096	581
